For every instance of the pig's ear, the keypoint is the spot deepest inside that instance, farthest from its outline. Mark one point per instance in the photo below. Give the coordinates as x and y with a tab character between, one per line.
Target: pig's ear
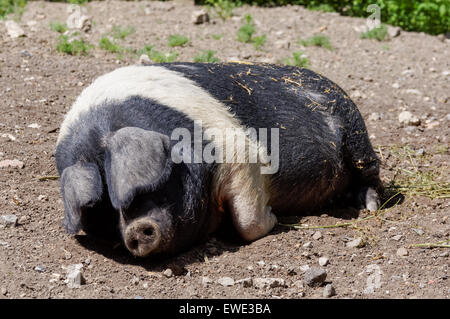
81	187
136	161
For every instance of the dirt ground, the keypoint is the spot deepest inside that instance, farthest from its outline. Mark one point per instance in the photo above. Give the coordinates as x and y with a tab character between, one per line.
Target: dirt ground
409	72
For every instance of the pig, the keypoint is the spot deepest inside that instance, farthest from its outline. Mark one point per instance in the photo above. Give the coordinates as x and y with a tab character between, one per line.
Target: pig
124	171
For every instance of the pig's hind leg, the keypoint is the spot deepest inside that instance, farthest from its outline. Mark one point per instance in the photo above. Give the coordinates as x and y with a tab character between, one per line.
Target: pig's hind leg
365	168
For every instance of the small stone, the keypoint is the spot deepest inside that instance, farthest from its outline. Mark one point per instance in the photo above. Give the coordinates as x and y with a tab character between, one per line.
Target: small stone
4	291
39	268
9	220
304	268
42	198
444	254
135	280
206	281
317	235
246	282
413	91
408	118
356	243
374	116
200	16
261	263
315	277
323	261
11	163
13	29
168	273
74	276
402	252
420	152
78	21
393	32
329	291
263	283
145	285
418	231
144	59
226	281
395	85
88	261
25	54
307	245
397	237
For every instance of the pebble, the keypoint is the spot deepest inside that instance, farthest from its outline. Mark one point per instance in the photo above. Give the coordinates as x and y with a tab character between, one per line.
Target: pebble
317	235
323	261
25	54
393	32
246	282
13	29
4	291
11	163
374	116
397	237
39	268
408	118
226	281
144	59
206	281
304	268
9	220
329	291
135	280
356	243
307	245
315	276
74	276
34	125
418	231
168	273
402	252
77	20
263	283
200	17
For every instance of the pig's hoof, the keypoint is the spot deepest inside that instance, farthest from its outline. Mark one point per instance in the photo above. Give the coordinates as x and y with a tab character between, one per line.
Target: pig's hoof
142	237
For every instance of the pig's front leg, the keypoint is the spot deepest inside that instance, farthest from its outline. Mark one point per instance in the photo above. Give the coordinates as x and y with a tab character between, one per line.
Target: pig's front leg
247	198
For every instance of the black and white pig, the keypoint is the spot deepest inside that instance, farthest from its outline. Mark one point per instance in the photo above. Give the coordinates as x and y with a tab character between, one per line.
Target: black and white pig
123	170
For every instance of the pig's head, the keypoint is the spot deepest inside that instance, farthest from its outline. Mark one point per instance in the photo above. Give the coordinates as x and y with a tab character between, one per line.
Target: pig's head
144	189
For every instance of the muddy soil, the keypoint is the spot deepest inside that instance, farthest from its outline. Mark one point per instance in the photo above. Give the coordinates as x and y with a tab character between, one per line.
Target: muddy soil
408	72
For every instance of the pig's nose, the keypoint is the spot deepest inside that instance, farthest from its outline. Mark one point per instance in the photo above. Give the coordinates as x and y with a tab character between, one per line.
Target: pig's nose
142	236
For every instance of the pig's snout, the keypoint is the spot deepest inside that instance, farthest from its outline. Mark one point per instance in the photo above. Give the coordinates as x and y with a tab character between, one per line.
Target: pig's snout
142	236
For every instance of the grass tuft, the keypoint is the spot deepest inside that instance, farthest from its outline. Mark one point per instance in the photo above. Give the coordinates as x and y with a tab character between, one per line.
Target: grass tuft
177	40
297	60
206	57
58	27
318	41
72	46
379	33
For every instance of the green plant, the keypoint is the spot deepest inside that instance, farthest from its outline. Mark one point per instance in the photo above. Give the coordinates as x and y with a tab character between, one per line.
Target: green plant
217	36
223	8
177	40
147	49
161	57
247	30
58	27
121	33
297	60
72	46
322	7
378	33
106	44
317	40
12	6
259	41
206	56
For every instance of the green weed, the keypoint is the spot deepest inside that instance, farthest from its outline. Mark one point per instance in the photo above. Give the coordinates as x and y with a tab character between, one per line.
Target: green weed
72	46
58	27
379	33
207	56
177	40
297	60
317	40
